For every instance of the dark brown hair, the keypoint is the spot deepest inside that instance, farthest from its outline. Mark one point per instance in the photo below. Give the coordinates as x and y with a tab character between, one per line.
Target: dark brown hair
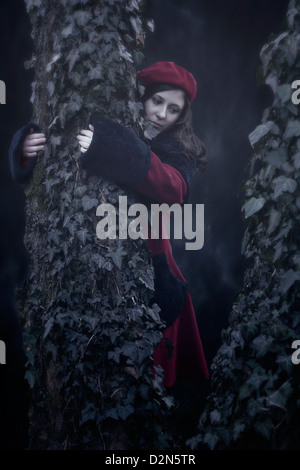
183	127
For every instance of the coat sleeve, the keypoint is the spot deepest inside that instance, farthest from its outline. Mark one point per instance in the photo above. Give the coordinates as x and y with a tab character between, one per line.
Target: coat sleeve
116	153
21	168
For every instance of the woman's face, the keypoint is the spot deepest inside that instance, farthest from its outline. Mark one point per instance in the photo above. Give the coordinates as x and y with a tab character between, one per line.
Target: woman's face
164	108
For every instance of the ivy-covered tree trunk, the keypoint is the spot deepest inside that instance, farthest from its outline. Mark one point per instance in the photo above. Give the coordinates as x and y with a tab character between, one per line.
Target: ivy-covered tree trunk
89	333
254	402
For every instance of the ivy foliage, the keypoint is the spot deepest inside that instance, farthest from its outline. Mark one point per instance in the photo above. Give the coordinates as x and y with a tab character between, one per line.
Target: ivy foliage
89	332
254	401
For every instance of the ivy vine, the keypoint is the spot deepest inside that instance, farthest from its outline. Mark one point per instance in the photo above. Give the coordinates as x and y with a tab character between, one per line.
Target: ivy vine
88	330
254	403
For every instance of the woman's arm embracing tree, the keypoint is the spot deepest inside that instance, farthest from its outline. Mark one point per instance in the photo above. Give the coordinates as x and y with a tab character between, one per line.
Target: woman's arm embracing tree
89	333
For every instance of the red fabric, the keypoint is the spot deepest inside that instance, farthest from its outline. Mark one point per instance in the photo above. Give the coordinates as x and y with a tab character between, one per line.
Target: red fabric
169	72
165	184
22	160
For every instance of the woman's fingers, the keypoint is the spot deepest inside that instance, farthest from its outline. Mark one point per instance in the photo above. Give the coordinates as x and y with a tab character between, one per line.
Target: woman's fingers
33	143
85	138
87	133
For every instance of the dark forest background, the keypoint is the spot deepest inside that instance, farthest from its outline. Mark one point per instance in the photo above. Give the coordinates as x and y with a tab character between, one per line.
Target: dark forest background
219	42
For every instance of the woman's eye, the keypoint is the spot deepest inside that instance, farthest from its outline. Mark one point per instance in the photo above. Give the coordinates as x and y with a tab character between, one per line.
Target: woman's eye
174	110
156	100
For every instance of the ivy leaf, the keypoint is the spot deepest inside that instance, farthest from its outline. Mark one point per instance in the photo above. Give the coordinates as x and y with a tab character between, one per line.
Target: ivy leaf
50	88
82	235
253	408
262	130
282	184
277	157
262	345
284	92
237	430
88	203
30	377
48	327
296	159
147	278
292	129
88	413
117	256
256	380
280	397
215	416
274	219
211	440
264	428
82	17
80	190
95	73
67	31
124	411
253	205
288	279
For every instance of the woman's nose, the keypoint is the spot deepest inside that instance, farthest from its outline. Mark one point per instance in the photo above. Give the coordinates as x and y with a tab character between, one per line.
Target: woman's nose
161	113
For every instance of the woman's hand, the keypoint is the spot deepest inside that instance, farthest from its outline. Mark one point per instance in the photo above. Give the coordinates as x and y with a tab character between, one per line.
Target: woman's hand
32	144
85	138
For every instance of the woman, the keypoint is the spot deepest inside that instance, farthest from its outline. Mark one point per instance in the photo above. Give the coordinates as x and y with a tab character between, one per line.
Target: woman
162	171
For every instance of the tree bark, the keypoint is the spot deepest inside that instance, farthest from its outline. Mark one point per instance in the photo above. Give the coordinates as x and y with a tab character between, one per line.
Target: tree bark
89	333
254	402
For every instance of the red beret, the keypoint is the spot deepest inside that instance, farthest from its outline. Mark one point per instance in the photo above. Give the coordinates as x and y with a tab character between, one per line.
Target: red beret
169	72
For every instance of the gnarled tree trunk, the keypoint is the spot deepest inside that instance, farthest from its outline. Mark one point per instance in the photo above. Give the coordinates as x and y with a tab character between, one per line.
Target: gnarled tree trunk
89	333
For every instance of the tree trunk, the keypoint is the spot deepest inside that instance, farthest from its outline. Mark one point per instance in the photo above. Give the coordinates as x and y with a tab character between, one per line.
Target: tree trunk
89	333
254	403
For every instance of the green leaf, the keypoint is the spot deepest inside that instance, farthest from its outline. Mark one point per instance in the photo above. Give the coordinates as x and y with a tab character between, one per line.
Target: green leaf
88	413
147	278
238	429
82	235
124	411
274	220
253	408
296	159
253	205
277	157
280	397
215	416
80	191
88	203
95	73
30	377
288	279
284	92
67	31
211	440
82	17
193	442
117	256
292	129
262	130
282	184
264	428
262	345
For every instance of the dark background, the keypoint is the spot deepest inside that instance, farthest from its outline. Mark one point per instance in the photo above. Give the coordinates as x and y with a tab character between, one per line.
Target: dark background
219	41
